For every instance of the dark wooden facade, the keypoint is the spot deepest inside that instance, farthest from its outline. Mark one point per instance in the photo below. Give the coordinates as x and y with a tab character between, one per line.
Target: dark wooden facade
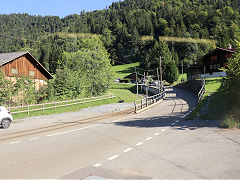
216	59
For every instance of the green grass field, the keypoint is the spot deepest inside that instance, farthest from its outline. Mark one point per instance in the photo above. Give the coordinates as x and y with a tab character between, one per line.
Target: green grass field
126	92
71	108
123	70
212	87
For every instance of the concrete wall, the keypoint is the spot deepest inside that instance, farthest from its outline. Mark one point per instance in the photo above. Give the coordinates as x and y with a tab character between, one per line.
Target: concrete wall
192	85
151	89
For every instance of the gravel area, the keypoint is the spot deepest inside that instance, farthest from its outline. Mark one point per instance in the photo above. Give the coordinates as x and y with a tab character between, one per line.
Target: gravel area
81	114
108	108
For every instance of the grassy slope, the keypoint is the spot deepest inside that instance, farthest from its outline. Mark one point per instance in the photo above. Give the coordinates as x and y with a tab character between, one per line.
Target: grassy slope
212	87
217	106
124	91
124	70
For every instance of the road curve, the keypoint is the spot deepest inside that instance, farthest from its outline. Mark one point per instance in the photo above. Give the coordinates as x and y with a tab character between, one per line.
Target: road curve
157	143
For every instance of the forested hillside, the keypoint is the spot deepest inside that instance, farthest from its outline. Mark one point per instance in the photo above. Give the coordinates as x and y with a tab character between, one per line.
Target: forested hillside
122	25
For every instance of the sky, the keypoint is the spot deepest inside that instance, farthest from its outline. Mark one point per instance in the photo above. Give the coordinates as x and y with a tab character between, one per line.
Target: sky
60	8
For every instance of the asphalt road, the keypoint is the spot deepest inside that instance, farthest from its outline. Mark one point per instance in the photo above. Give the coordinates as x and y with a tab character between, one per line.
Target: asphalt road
157	143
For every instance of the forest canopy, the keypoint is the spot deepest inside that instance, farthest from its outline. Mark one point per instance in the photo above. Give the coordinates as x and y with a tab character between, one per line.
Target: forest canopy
122	26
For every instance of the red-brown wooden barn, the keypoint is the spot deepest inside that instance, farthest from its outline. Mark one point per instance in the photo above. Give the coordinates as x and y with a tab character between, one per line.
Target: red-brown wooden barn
24	64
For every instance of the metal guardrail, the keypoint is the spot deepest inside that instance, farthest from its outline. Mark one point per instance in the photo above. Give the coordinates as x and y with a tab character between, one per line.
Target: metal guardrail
54	105
145	102
202	91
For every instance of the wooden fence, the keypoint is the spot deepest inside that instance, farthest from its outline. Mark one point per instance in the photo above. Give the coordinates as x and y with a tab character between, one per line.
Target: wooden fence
54	105
202	91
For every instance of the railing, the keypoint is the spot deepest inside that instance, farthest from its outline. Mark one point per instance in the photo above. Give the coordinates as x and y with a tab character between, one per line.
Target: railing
202	91
54	105
145	102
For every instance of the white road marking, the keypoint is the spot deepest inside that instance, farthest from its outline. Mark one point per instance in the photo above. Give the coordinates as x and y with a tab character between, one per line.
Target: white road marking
144	112
16	142
32	139
65	132
116	120
177	121
140	143
173	124
156	134
127	150
148	138
97	165
163	130
113	157
124	118
130	116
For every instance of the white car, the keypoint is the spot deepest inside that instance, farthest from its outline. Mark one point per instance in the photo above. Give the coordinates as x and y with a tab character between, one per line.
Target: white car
5	118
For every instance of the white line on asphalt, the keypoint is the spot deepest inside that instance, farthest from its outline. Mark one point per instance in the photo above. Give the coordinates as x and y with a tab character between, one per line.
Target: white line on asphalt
65	132
16	142
97	165
123	118
156	134
173	124
144	112
148	138
163	130
32	139
177	121
127	150
140	143
113	157
116	121
130	116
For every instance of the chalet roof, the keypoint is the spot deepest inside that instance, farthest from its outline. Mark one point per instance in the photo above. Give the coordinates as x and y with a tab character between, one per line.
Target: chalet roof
218	49
8	57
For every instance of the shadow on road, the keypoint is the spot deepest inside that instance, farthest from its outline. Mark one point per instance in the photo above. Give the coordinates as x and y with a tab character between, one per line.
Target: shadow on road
177	96
166	121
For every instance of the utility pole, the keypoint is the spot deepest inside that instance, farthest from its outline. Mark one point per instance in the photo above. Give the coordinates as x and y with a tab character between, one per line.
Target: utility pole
158	81
136	81
182	70
160	64
147	86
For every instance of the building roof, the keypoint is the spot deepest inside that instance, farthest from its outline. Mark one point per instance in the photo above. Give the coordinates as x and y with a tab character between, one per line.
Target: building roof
8	57
218	49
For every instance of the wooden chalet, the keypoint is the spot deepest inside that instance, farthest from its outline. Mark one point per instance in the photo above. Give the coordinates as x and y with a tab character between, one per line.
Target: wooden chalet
216	59
24	64
212	64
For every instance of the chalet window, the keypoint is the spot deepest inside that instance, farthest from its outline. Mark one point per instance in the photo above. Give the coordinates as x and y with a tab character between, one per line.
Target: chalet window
213	58
218	66
14	71
214	66
211	67
228	55
31	73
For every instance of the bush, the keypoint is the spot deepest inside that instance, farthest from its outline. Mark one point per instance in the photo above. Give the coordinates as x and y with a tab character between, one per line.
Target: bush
231	86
